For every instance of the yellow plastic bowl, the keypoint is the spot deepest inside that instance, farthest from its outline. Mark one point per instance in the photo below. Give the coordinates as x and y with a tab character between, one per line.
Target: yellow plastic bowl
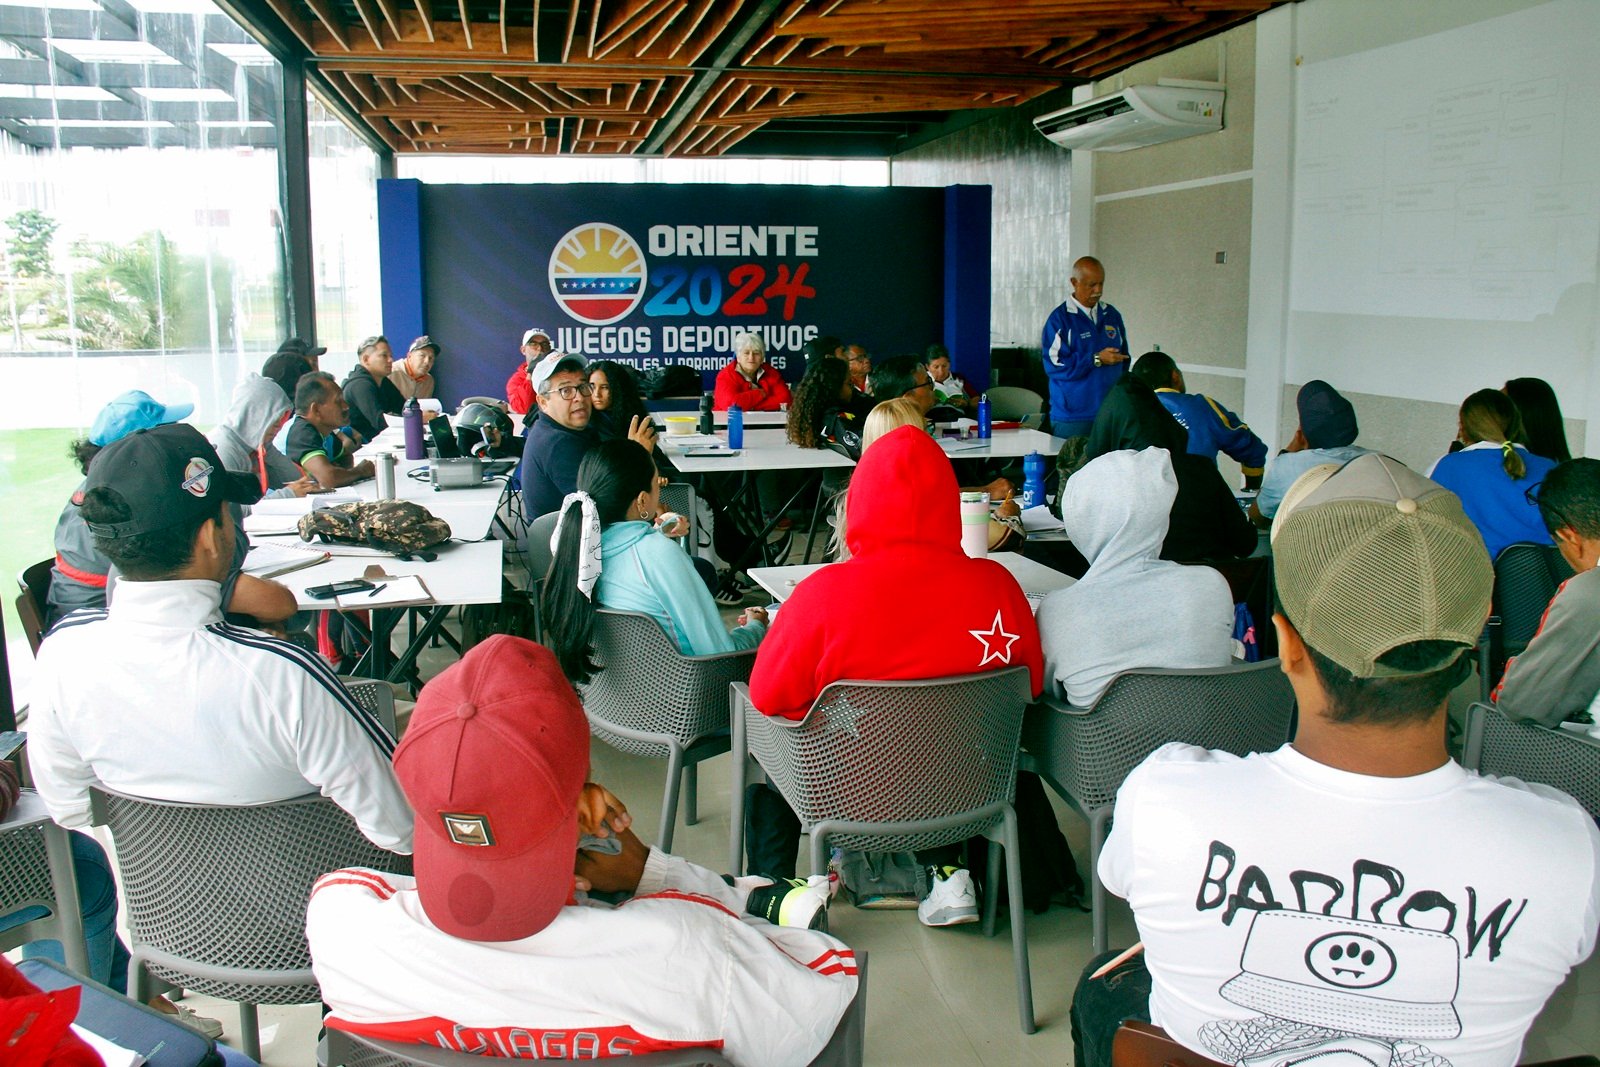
681	425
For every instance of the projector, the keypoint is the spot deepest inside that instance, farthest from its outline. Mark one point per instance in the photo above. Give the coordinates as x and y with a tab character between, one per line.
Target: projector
459	473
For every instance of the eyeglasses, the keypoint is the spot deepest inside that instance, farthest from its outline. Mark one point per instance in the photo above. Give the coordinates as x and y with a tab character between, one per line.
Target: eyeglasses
539	342
921	385
571	392
1547	510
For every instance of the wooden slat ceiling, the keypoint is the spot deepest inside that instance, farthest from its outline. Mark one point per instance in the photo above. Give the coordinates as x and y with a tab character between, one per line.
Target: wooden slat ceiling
698	77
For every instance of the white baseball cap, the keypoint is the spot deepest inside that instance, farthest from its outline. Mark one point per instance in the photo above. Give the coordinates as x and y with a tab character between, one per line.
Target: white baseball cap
535	331
541	371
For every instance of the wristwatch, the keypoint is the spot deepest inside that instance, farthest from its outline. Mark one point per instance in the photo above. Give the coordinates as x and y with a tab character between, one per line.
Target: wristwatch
1097	362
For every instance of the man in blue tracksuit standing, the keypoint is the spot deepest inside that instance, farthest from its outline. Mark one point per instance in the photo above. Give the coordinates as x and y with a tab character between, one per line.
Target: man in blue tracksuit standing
1085	351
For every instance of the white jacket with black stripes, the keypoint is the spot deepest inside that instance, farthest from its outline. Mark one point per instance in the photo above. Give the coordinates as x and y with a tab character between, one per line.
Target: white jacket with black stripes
160	698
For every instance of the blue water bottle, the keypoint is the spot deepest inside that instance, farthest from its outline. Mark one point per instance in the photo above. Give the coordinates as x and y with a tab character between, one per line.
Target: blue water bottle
411	415
1033	480
985	427
736	427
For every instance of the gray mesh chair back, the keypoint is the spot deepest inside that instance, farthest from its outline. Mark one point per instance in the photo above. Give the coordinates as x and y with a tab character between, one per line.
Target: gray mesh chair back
899	766
845	1049
680	497
217	895
36	870
1526	576
32	608
648	699
536	556
377	698
1500	746
1012	402
1085	753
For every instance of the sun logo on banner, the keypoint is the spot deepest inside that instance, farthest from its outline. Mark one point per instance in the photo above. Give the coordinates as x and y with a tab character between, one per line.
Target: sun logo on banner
597	273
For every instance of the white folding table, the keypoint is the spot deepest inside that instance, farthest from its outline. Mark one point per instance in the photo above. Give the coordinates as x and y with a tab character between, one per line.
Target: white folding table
462	573
764	449
1003	444
1035	578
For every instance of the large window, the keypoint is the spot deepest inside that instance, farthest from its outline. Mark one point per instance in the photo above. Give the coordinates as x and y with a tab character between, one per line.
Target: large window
344	237
140	225
139	205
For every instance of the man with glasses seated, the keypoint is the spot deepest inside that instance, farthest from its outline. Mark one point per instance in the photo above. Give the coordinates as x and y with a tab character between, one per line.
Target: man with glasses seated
564	431
905	376
860	367
1558	675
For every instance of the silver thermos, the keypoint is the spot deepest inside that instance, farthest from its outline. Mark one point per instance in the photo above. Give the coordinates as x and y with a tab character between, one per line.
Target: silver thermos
384	471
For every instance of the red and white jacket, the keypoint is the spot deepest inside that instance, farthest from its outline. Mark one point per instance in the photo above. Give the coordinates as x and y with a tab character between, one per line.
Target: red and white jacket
680	965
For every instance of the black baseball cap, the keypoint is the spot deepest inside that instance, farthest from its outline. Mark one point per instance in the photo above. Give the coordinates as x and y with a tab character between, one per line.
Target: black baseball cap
301	347
166	476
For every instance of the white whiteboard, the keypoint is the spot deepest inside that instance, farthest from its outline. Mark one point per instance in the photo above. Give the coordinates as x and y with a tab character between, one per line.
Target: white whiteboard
1446	222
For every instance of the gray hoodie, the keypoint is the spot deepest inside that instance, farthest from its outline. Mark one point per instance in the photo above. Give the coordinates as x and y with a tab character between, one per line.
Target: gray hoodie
1131	609
258	406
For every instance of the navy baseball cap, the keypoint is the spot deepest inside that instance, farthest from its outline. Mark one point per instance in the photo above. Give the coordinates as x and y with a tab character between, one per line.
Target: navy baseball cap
166	476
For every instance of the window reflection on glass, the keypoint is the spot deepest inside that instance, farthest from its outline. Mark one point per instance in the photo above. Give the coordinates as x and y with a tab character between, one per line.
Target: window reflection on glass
344	236
139	205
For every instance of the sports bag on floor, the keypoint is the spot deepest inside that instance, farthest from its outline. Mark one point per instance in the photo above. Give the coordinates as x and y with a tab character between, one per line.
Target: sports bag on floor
403	527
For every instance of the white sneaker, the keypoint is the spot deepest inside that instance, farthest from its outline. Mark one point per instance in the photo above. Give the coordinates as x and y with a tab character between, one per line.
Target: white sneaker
182	1013
952	900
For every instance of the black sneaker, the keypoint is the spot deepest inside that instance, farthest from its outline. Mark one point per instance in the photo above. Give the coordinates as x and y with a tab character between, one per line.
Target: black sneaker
728	594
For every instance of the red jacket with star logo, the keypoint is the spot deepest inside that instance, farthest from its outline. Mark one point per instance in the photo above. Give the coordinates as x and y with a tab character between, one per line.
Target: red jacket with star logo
908	603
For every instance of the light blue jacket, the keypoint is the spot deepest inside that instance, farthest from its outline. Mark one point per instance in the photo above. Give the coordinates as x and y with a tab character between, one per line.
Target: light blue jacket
644	570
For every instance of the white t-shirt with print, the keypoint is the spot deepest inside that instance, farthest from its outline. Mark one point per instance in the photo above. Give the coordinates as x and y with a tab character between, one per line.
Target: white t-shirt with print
1296	913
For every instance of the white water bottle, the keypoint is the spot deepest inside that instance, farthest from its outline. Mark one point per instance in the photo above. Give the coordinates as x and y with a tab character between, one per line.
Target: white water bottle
975	524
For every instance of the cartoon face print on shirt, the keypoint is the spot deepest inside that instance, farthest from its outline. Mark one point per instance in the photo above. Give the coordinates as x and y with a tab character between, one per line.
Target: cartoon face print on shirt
1353	960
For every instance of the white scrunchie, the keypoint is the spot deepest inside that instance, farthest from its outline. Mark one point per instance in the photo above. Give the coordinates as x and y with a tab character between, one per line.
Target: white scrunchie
588	543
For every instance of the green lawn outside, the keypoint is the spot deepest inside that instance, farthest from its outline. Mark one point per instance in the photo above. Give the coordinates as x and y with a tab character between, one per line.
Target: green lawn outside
36	478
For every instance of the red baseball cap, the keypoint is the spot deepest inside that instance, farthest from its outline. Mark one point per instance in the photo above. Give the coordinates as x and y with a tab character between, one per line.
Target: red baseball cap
493	760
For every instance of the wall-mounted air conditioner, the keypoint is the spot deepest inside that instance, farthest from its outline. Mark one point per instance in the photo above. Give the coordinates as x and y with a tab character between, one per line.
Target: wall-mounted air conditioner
1138	116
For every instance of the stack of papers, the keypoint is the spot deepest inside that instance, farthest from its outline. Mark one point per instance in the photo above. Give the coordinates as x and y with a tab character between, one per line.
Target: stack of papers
1039	517
281	515
274	559
393	593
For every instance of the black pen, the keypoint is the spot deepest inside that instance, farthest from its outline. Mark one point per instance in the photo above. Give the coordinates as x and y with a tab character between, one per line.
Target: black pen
378	589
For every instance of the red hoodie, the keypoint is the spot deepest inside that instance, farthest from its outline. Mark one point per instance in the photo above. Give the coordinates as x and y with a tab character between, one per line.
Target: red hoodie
867	619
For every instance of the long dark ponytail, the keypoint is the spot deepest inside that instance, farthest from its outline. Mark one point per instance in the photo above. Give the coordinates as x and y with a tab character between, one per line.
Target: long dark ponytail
614	473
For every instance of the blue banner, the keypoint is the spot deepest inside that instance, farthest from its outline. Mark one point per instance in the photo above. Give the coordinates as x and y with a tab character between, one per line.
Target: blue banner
652	275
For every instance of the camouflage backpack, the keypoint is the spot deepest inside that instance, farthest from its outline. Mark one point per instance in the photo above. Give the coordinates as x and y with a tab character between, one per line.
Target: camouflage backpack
403	527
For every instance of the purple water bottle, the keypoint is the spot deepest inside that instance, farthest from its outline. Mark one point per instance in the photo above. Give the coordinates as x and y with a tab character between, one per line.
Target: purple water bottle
412	414
736	427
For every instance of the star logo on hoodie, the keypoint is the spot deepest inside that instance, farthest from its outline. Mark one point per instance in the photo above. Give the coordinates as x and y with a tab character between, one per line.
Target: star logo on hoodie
996	642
